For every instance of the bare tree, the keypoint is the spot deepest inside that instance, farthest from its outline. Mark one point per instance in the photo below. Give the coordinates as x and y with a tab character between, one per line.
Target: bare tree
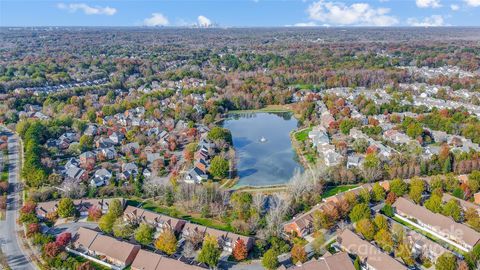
276	212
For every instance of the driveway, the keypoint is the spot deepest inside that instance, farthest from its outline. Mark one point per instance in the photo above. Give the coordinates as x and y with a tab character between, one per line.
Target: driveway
16	256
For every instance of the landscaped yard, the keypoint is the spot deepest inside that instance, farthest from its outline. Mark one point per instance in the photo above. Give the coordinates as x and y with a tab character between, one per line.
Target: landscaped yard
334	190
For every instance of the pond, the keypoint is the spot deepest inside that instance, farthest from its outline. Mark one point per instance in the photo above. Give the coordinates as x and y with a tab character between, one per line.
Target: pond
264	153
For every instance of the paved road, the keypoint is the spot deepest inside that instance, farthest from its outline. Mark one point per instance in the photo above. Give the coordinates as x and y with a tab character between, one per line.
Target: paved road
17	258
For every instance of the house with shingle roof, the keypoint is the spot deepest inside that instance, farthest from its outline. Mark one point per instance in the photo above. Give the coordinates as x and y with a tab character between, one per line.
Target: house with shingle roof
117	253
445	228
370	256
339	261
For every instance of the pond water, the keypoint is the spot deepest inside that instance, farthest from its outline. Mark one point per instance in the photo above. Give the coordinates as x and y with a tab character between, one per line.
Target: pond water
267	161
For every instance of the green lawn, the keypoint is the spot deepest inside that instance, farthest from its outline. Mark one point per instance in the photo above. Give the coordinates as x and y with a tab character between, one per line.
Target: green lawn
302	135
174	212
331	191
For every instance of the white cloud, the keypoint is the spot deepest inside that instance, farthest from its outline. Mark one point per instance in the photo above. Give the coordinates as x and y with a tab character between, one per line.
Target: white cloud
473	3
88	10
434	20
454	7
157	19
305	24
338	13
428	3
204	21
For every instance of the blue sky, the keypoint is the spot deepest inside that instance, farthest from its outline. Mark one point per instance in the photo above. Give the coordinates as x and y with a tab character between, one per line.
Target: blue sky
239	13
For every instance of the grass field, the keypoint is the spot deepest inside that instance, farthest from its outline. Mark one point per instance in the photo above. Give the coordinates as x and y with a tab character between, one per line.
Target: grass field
332	191
302	135
174	212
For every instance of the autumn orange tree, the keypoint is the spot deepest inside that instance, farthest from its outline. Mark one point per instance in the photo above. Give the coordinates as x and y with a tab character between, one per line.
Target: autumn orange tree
167	242
298	254
240	250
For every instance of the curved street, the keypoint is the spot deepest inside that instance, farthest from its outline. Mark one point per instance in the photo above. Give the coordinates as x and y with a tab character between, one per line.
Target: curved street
10	243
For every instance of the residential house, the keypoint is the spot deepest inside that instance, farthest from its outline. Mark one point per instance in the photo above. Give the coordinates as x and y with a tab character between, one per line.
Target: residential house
129	170
91	130
424	247
88	160
464	204
101	178
146	260
117	253
158	221
132	147
76	173
370	256
340	261
457	234
108	153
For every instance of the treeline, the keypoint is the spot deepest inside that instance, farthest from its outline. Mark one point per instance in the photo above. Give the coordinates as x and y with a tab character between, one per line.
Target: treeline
34	135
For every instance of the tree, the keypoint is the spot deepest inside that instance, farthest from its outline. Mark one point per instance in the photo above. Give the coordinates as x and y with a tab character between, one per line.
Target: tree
210	253
378	192
219	167
318	242
366	228
85	266
446	261
398	187
462	265
66	208
404	252
270	259
360	211
453	209
417	187
434	203
106	223
384	239
380	222
240	251
346	125
356	263
387	209
218	133
360	145
167	242
116	208
122	229
51	249
63	239
365	195
94	213
144	234
298	254
391	198
371	167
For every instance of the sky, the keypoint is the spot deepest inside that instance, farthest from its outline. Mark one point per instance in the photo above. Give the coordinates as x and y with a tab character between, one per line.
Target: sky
240	13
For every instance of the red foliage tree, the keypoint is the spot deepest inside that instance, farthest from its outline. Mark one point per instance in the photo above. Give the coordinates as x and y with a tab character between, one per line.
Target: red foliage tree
63	239
240	250
94	213
33	229
3	187
85	266
28	207
52	249
391	198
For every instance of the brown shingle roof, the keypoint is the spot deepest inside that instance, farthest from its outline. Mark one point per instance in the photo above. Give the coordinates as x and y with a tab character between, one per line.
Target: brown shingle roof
113	248
146	261
339	261
84	238
367	252
439	222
